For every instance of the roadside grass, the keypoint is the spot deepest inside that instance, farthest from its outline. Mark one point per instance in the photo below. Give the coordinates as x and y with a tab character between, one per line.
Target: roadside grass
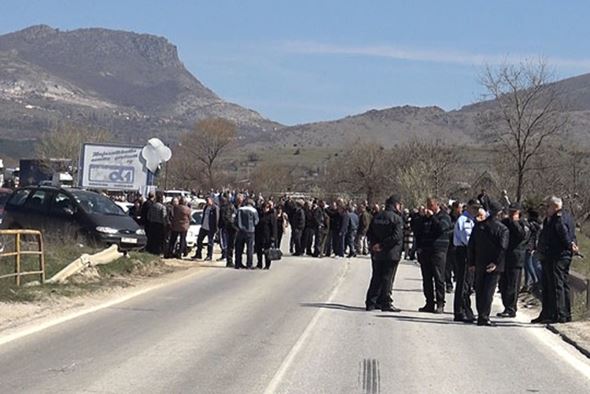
581	266
58	254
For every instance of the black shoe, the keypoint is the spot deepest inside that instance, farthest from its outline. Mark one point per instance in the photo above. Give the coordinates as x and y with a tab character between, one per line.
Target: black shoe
267	267
239	267
427	308
259	267
440	309
460	318
208	259
370	308
221	258
449	288
390	308
541	320
506	314
229	265
486	323
195	257
469	320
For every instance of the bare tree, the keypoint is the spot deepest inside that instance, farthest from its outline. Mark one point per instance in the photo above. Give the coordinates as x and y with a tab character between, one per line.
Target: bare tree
424	168
206	144
525	114
65	141
362	168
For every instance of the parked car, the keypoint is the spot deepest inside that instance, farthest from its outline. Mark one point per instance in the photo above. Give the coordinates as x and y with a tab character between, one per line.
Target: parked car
194	228
170	194
84	215
124	205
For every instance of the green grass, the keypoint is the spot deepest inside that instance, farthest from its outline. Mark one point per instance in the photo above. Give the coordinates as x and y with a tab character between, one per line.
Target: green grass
60	253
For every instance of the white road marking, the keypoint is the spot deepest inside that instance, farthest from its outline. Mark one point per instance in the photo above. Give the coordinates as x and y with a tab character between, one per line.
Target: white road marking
273	386
37	327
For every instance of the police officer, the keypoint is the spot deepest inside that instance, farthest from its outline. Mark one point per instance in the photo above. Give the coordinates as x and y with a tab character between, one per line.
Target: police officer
557	245
486	257
386	237
510	280
432	234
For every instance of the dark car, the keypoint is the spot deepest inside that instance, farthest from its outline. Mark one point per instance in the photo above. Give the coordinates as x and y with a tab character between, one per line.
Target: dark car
76	213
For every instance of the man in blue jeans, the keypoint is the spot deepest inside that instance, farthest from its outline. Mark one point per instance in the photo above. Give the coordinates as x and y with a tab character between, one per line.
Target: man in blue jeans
246	221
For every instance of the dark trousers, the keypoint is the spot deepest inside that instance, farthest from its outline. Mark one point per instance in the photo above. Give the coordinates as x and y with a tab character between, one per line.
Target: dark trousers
263	254
380	287
307	240
244	240
450	266
432	265
210	240
464	282
338	243
157	238
561	271
509	284
549	308
297	237
322	245
230	243
350	244
317	242
485	287
174	235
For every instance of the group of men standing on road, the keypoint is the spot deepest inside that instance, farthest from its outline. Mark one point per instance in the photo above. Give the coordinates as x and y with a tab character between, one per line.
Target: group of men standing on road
491	243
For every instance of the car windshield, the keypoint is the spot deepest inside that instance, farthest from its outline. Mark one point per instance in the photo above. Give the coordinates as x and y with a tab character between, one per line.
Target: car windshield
196	217
97	204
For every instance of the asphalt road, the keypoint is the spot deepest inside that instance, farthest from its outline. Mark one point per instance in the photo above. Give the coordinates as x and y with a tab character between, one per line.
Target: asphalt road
298	328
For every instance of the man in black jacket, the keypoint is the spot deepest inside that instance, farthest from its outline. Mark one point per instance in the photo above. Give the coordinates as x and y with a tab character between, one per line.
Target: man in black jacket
486	253
557	245
432	234
298	225
385	236
510	280
227	216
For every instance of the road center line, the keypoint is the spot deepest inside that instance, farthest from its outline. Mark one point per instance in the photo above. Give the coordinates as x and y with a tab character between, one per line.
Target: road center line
272	387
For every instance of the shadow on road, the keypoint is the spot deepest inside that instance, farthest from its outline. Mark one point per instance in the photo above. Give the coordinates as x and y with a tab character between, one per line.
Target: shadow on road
427	320
334	306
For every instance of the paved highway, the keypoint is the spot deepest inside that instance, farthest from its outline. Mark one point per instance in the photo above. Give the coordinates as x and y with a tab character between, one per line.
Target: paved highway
298	328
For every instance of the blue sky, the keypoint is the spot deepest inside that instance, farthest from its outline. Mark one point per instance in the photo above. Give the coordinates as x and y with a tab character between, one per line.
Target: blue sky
301	61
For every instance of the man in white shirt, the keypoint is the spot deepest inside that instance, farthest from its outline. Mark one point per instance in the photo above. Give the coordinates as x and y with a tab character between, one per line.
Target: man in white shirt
463	228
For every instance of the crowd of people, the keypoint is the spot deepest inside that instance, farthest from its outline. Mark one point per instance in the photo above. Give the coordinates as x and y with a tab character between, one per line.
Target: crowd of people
483	244
487	245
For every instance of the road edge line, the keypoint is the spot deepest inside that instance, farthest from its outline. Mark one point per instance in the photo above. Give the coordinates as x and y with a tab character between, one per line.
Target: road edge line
4	339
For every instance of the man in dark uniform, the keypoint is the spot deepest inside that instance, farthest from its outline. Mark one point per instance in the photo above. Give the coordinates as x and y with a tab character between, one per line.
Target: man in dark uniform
486	256
510	280
432	234
557	245
386	237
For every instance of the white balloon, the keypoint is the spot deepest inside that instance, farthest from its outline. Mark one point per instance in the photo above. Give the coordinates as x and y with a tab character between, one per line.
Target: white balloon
155	153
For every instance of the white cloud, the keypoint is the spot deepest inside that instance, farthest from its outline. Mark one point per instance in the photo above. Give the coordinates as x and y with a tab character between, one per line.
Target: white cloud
427	55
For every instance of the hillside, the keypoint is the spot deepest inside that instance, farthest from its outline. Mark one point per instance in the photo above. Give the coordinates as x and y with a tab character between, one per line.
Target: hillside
133	84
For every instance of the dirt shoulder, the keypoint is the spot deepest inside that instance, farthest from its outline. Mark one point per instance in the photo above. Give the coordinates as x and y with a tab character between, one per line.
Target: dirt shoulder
34	306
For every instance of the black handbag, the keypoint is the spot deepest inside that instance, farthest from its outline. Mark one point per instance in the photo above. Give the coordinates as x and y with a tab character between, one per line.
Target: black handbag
274	253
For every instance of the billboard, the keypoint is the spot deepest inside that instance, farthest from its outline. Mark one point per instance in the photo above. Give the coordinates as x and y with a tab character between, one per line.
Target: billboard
113	167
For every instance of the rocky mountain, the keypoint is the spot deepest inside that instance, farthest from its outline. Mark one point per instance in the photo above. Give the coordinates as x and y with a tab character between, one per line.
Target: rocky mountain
132	84
399	124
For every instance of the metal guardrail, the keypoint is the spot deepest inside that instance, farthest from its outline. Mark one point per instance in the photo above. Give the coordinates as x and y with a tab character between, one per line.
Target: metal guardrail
18	253
579	284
